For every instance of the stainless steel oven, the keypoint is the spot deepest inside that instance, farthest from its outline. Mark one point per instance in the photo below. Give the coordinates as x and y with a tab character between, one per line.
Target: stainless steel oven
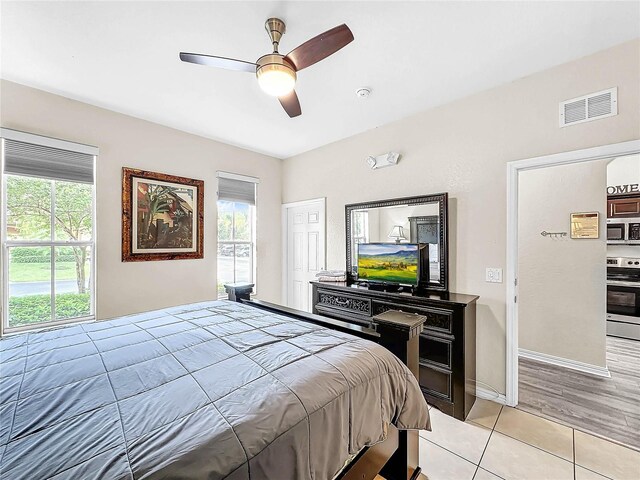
623	297
623	231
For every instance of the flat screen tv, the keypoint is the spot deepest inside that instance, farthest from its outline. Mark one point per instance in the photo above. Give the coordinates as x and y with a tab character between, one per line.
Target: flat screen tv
389	262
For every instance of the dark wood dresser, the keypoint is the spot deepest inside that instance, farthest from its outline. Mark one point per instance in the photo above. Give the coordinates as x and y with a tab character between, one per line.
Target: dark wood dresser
447	344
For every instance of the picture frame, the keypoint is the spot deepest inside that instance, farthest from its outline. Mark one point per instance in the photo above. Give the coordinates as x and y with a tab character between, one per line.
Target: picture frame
585	225
162	216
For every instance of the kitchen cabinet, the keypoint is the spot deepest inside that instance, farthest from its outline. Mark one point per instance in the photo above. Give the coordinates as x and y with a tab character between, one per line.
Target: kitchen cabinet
623	207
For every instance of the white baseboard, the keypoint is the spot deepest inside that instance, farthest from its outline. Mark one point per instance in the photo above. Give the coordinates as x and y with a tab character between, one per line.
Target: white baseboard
488	394
566	363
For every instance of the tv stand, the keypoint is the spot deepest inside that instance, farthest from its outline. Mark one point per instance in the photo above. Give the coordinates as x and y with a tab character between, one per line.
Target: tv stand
447	371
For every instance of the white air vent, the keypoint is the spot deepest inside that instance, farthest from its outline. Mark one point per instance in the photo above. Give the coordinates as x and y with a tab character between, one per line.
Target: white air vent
590	107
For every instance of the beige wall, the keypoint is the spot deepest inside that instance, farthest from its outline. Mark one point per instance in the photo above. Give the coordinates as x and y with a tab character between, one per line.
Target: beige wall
126	141
462	148
562	281
623	171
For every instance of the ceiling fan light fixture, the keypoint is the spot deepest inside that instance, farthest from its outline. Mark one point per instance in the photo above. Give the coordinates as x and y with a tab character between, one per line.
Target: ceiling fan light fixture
276	81
275	76
276	73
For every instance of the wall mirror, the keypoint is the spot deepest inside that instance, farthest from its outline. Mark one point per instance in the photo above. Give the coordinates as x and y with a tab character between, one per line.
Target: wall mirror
403	220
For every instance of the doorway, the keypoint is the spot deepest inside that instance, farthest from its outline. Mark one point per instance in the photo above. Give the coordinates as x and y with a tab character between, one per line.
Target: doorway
552	375
304	253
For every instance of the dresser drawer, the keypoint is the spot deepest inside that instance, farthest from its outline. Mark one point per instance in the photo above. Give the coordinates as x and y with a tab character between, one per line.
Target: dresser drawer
435	381
344	316
341	301
435	350
438	319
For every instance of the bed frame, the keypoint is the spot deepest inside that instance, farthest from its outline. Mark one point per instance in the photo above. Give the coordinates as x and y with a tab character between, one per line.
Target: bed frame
397	457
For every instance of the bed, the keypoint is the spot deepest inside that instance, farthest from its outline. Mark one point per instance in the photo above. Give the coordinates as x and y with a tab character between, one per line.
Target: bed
218	389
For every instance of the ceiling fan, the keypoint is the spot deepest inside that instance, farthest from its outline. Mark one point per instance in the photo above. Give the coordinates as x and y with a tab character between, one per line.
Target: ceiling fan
276	73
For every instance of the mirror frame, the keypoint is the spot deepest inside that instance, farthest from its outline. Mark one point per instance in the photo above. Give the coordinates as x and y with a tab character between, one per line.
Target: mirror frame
443	237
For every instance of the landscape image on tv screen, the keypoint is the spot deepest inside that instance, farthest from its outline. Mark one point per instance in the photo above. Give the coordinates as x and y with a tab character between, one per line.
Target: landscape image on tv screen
388	262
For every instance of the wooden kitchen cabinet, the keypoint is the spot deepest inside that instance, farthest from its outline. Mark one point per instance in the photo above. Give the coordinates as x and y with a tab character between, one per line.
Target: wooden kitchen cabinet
623	207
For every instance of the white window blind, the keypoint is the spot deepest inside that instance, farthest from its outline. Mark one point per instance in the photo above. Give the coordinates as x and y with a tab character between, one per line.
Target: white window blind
27	159
237	188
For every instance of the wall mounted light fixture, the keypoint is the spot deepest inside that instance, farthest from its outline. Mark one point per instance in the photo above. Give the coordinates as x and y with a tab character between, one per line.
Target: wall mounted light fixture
385	160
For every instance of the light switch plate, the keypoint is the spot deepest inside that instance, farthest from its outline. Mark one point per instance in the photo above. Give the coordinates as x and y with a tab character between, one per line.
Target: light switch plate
493	275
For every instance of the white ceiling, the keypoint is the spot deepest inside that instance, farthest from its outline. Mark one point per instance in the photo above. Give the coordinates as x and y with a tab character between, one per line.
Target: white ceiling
415	55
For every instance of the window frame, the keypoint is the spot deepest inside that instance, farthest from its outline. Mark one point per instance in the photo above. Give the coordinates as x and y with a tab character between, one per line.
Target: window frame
6	244
253	209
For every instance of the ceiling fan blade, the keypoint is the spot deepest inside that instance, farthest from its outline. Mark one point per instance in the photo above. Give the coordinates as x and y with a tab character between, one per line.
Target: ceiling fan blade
291	104
320	47
220	62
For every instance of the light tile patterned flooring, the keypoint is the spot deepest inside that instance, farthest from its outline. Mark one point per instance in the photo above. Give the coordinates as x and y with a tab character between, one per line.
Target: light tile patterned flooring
499	442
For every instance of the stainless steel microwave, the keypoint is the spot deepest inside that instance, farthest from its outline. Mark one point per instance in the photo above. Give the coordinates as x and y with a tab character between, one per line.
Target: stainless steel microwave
623	231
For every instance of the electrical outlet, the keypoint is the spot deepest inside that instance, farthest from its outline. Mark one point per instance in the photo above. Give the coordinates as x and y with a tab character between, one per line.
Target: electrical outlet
493	275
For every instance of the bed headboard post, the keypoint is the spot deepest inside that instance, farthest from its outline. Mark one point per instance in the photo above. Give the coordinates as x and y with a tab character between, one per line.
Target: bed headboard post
400	333
239	291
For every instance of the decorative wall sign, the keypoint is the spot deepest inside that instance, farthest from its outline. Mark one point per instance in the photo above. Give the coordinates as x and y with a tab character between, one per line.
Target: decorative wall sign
623	189
162	216
585	225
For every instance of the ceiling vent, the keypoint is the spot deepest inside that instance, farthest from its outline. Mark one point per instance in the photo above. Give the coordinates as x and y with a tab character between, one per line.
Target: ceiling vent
590	107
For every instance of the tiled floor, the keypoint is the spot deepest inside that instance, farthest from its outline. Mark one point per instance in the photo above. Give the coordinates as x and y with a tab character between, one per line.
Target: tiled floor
499	442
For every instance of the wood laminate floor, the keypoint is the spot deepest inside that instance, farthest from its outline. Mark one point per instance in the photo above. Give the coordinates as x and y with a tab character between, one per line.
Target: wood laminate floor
607	407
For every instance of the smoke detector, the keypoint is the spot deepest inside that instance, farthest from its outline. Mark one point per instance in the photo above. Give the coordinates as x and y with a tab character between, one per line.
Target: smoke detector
363	92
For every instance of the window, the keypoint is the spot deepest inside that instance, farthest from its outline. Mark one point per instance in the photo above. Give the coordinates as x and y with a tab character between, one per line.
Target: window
48	249
236	229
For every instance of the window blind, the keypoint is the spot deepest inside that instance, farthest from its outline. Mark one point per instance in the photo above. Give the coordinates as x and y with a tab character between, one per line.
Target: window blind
235	190
22	158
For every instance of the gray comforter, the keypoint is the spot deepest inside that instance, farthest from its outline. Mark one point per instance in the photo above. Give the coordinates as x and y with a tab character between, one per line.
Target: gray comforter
208	390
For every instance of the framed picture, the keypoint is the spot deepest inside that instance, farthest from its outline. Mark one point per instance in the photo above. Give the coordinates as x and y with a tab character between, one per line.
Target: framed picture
162	216
585	225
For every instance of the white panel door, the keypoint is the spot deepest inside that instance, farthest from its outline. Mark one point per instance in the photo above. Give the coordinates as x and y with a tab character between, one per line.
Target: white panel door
304	250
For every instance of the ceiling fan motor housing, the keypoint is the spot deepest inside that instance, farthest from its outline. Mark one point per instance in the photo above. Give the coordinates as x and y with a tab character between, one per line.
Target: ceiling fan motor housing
274	61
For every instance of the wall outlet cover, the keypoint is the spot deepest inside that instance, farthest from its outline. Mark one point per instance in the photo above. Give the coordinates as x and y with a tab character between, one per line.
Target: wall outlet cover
493	275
